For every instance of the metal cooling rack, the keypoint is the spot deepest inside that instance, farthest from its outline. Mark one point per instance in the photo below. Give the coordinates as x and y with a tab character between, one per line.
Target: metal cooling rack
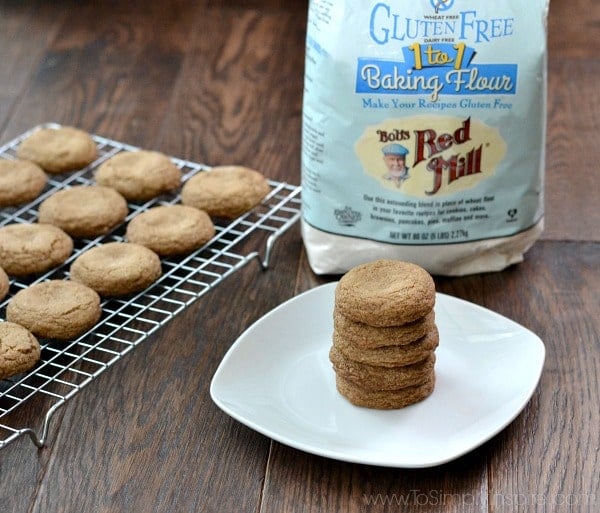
67	367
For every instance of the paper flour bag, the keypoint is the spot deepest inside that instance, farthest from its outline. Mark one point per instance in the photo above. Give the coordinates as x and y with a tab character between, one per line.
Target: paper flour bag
423	133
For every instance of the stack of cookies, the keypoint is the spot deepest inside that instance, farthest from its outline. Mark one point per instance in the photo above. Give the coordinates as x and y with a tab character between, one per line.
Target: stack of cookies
385	335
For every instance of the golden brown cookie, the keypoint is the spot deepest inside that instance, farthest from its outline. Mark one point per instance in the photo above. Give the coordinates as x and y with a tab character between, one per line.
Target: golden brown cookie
57	309
373	377
363	335
19	349
4	284
117	268
84	210
57	150
385	399
139	175
385	293
21	181
32	248
225	191
389	356
171	230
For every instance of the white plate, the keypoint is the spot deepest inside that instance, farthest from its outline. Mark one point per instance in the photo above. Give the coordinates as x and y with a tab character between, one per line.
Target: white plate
277	379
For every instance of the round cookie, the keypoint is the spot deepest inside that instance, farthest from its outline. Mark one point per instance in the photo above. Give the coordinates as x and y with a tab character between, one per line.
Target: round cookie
117	268
84	210
363	335
171	230
139	175
225	191
19	349
389	356
4	284
385	399
32	248
385	293
21	181
57	309
373	377
57	150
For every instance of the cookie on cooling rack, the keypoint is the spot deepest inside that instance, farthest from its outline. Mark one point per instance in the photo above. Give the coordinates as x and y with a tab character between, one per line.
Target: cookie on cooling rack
84	210
58	150
117	268
21	181
139	175
225	191
19	349
56	309
33	248
4	284
171	229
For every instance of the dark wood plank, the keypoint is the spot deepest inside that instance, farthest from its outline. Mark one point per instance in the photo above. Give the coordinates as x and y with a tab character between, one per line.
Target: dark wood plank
550	452
571	27
25	33
110	70
572	185
302	483
239	101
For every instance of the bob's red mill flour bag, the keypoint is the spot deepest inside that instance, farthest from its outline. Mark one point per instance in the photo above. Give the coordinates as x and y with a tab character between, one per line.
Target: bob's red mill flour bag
423	133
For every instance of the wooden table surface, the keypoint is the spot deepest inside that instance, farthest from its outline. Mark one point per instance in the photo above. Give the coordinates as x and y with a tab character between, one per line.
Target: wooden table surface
221	82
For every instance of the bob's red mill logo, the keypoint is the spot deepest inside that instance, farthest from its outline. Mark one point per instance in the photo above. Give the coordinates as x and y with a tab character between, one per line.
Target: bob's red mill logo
429	145
430	155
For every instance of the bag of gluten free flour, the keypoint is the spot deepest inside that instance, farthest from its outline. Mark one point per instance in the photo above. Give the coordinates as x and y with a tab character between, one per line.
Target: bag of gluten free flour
423	133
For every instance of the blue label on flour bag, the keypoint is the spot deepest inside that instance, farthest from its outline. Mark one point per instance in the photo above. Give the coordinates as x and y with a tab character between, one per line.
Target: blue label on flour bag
424	121
388	77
